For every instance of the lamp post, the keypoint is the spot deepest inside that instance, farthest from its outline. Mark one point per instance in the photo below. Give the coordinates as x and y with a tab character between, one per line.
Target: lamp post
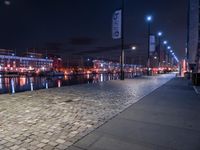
159	40
148	20
168	53
133	48
171	59
122	42
165	44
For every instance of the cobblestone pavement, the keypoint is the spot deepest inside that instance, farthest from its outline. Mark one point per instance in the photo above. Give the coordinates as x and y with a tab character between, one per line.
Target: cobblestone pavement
56	118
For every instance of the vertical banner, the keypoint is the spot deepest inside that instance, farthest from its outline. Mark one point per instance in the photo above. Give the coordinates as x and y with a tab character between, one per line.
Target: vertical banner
152	43
117	24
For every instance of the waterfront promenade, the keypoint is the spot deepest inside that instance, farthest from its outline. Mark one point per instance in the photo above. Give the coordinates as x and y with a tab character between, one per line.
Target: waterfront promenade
166	119
56	118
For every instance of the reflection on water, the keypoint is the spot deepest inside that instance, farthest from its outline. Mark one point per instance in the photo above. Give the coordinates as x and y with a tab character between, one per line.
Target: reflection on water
24	83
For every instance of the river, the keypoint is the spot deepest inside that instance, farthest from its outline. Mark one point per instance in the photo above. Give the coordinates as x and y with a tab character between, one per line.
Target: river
24	83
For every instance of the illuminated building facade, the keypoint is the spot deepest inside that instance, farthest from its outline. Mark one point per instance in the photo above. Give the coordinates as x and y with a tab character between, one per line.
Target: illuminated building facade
24	64
57	61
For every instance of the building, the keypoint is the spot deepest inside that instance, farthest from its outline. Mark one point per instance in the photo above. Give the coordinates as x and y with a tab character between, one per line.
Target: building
193	49
11	63
57	61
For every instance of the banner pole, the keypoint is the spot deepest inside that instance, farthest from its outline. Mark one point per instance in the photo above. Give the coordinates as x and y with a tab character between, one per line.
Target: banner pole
122	42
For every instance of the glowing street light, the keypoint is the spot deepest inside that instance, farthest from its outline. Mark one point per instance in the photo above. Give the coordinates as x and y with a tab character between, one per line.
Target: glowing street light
160	34
168	47
133	47
148	20
165	42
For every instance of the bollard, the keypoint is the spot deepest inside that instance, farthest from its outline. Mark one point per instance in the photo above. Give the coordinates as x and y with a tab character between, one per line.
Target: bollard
47	86
59	83
13	86
31	86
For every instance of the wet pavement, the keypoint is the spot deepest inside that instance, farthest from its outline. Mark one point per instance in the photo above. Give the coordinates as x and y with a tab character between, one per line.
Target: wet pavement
56	118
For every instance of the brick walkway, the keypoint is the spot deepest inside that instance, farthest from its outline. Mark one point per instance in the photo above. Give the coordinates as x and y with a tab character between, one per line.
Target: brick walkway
56	118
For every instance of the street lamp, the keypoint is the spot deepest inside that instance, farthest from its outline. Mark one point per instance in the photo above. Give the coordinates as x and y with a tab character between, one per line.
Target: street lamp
148	20
165	42
159	40
160	34
168	53
122	41
168	47
133	47
165	45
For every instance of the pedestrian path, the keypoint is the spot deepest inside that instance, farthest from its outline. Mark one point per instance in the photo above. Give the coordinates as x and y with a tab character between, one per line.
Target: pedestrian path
55	118
166	119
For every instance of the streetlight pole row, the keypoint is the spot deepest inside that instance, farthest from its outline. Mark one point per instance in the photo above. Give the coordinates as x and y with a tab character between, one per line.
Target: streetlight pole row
167	50
149	21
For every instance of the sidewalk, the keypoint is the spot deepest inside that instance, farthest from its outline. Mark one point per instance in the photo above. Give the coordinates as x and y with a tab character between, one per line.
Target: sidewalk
167	119
54	119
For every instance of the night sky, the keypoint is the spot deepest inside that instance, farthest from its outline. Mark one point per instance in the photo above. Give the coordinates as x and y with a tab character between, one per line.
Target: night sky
83	27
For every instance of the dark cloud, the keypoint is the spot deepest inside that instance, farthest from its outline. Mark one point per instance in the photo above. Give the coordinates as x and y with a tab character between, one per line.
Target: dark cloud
54	45
82	41
98	50
103	49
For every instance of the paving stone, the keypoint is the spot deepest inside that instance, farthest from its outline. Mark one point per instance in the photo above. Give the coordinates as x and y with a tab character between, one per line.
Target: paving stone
48	147
2	147
62	146
32	148
53	144
60	141
22	149
41	145
28	140
45	141
9	144
3	142
15	147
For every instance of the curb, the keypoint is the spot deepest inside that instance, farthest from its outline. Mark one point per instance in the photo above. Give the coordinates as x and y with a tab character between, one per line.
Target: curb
196	90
